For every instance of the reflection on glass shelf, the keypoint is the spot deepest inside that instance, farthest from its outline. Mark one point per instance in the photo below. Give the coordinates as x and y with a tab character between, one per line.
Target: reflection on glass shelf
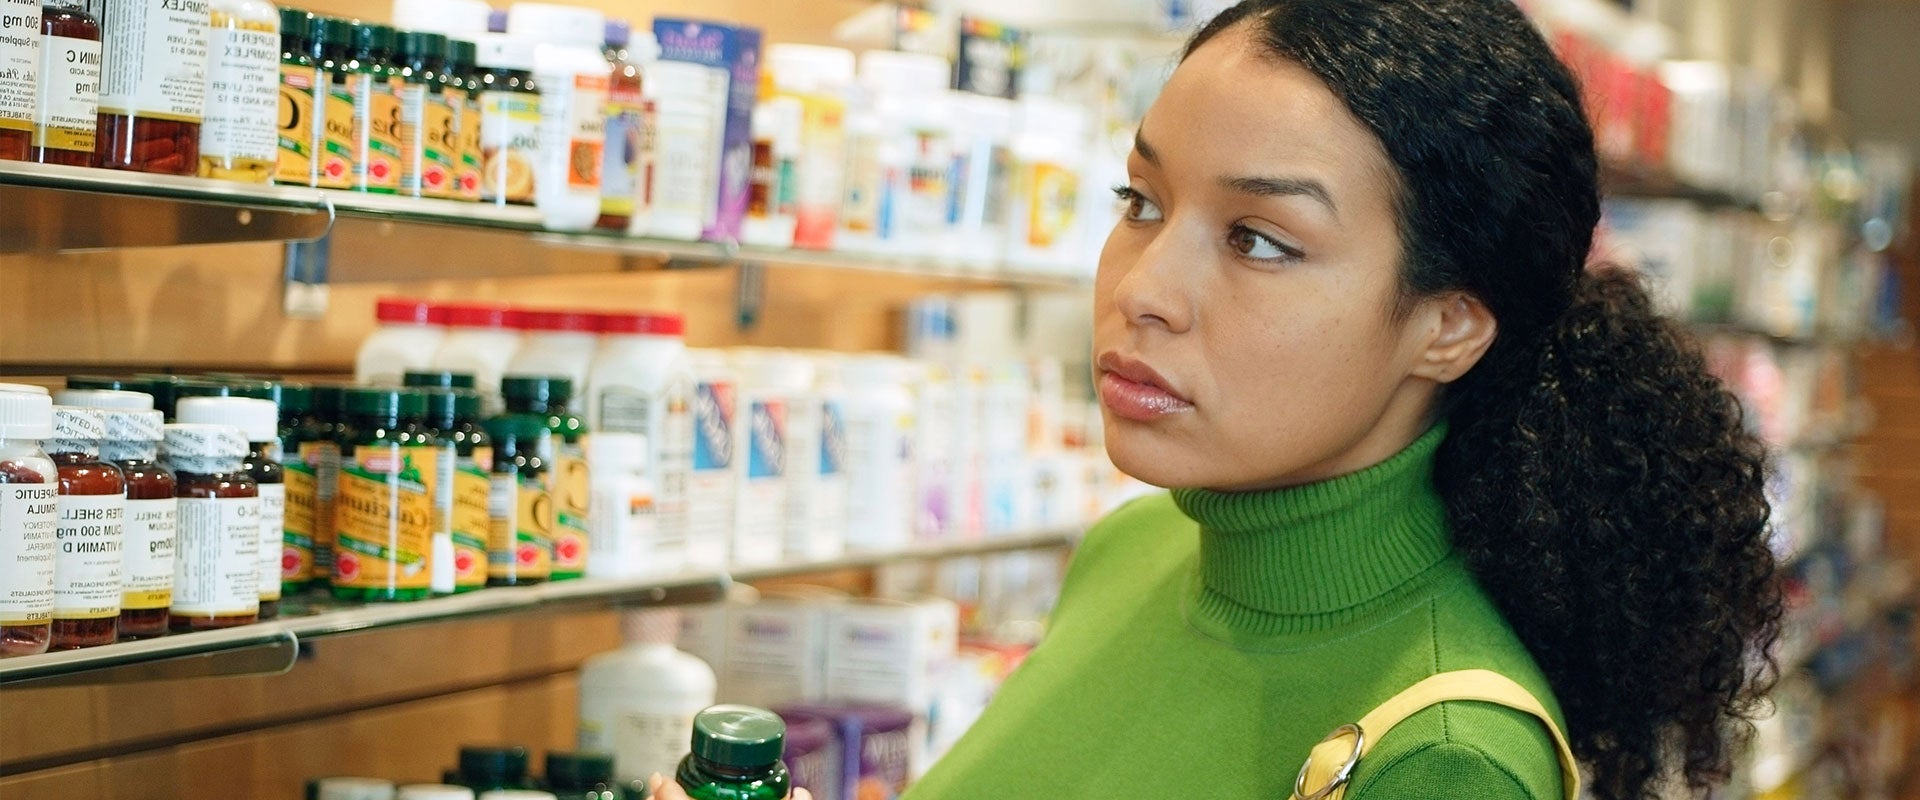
270	647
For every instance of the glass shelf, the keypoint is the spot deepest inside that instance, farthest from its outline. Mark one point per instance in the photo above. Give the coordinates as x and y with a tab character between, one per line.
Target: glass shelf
53	208
271	647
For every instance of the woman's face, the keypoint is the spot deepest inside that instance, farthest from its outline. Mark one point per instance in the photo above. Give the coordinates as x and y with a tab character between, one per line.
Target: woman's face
1245	328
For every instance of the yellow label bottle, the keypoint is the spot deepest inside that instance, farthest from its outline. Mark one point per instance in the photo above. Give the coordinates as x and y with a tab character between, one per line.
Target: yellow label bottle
383	537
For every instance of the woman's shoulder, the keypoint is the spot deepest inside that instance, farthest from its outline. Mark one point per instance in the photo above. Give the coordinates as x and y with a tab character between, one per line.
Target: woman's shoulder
1462	749
1147	525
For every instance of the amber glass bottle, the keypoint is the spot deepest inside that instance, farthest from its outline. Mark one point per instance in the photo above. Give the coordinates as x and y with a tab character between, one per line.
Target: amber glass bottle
216	576
93	504
146	584
66	113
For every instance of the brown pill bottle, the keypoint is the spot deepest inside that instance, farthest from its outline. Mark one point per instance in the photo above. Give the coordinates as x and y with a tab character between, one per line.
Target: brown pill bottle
29	495
146	563
92	509
66	113
153	85
258	420
216	574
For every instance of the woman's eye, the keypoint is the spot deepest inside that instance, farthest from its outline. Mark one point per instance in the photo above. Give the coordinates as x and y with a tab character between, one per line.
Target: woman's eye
1135	206
1259	246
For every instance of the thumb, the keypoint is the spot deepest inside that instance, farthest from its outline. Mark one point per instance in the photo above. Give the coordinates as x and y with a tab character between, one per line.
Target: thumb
664	789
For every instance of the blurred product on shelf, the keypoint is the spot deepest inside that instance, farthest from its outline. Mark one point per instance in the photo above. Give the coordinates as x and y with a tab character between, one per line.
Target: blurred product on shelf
511	115
572	73
638	703
626	169
730	54
67	106
866	754
302	103
239	138
383	530
20	61
641	382
153	86
520	505
569	485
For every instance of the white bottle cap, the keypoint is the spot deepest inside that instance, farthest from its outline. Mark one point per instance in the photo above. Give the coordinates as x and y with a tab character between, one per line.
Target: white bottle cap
809	68
615	451
134	425
77	430
435	791
570	26
457	18
352	788
22	387
203	449
104	398
499	51
258	420
25	415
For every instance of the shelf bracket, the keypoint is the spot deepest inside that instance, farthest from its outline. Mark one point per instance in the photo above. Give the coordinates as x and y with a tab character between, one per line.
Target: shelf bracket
749	294
305	288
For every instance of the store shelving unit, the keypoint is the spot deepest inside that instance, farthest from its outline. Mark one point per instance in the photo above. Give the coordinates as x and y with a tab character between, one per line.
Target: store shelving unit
68	209
271	647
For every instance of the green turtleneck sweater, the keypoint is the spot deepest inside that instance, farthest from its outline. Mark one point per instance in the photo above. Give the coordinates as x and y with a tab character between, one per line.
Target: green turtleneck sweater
1205	641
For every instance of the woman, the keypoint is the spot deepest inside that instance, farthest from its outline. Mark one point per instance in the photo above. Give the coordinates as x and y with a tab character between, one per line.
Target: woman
1345	320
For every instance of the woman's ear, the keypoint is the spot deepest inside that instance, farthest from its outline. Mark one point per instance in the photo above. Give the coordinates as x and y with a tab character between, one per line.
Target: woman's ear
1465	329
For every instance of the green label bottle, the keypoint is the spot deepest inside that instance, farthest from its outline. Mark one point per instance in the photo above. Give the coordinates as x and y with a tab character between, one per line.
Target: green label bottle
736	756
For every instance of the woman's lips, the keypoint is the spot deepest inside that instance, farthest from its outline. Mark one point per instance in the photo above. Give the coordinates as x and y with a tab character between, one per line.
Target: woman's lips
1140	402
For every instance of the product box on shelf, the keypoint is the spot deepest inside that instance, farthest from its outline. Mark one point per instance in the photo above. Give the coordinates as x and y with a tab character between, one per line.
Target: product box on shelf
894	653
736	50
775	650
875	745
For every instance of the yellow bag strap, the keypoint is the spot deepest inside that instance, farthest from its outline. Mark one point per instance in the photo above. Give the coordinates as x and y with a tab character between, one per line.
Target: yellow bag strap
1333	760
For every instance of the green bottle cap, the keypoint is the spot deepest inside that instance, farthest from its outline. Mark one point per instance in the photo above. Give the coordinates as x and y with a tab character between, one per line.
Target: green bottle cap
466	405
442	407
416	46
106	382
201	387
295	398
535	394
256	389
579	772
371	402
371	39
329	400
493	766
739	736
438	380
413	404
296	24
333	32
461	55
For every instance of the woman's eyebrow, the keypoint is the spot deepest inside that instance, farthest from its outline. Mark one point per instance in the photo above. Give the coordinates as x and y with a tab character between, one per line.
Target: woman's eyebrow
1282	187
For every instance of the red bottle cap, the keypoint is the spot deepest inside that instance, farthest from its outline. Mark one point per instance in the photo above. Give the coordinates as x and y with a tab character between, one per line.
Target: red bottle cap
655	324
404	309
556	320
473	315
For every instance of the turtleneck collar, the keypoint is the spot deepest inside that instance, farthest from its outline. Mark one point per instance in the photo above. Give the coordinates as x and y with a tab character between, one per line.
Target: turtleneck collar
1310	558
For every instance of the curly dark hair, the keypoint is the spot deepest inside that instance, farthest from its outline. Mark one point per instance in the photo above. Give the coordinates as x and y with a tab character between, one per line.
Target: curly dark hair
1601	483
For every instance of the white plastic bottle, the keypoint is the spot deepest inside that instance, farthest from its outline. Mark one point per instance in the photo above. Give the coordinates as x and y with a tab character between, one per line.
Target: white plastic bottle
771	210
827	463
690	103
624	531
710	480
880	424
983	167
1044	213
935	400
761	460
909	92
409	334
638	702
556	344
479	343
641	381
572	74
459	19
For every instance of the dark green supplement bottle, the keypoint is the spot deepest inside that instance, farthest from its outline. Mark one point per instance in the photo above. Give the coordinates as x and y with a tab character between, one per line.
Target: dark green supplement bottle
299	429
736	756
453	415
567	481
484	769
581	776
519	506
383	516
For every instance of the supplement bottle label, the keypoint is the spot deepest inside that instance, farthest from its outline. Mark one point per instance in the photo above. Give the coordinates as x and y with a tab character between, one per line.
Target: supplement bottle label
509	145
243	96
686	178
813	194
626	531
762	503
323	459
385	530
296	537
218	550
520	529
146	565
86	569
337	143
273	515
154	59
296	125
467	172
710	483
429	142
378	131
666	421
29	535
19	63
66	117
628	118
652	742
583	127
471	486
571	498
1053	195
830	485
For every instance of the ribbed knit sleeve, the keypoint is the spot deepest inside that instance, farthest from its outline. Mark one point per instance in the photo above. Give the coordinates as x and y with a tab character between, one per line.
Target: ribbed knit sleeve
1445	771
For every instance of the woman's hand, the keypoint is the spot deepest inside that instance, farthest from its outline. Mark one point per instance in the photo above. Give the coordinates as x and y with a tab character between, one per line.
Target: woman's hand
664	789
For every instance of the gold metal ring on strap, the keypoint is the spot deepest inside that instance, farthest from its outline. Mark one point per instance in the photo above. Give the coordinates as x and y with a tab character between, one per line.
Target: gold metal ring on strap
1341	775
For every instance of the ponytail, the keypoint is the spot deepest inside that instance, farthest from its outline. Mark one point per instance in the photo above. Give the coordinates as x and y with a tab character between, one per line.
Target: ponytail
1604	490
